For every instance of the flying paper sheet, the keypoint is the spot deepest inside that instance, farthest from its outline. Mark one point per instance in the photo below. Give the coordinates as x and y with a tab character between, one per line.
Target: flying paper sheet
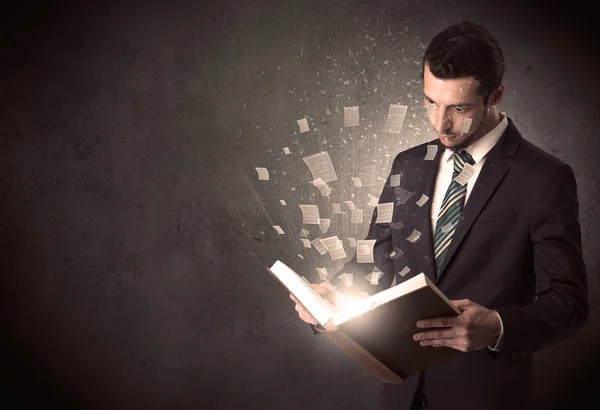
310	214
322	273
402	195
396	225
356	182
404	271
282	202
373	200
319	246
336	209
303	124
364	250
422	200
263	174
429	109
320	166
395	180
431	151
304	233
324	224
306	243
286	150
300	256
329	286
447	227
278	229
395	118
352	242
414	236
466	125
385	212
347	278
366	175
357	216
351	205
467	172
335	247
396	253
350	116
374	277
322	186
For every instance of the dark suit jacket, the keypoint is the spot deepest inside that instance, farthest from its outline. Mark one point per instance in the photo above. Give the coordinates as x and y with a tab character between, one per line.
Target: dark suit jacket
516	249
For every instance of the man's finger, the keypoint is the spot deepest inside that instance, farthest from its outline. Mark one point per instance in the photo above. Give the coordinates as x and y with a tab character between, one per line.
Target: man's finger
439	322
436	334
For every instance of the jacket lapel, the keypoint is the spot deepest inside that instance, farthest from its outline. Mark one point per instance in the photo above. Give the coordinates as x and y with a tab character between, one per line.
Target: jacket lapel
492	173
423	214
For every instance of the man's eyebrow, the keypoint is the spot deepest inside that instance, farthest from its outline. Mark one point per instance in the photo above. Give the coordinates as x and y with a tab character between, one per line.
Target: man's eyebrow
464	104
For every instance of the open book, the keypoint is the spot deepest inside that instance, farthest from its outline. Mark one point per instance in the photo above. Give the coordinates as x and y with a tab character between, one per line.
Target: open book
377	330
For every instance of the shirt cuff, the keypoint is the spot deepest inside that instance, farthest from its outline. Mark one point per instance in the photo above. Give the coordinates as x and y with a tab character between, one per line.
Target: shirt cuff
498	344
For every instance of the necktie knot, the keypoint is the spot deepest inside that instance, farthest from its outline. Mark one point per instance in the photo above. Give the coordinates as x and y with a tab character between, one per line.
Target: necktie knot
461	158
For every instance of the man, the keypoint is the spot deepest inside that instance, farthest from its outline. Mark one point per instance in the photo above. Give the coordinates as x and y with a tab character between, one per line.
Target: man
505	246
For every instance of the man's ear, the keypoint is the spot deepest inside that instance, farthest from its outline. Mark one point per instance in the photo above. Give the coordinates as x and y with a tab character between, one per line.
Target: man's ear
497	95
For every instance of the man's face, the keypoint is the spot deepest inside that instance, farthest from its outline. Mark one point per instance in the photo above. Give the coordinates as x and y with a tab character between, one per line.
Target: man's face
449	103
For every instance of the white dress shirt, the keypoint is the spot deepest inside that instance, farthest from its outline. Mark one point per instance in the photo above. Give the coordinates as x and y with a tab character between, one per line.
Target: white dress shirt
479	151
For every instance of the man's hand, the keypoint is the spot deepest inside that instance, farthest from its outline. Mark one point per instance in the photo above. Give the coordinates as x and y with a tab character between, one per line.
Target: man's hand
302	312
475	328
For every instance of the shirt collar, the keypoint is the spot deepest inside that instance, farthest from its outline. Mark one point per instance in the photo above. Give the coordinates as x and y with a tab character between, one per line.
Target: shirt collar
483	145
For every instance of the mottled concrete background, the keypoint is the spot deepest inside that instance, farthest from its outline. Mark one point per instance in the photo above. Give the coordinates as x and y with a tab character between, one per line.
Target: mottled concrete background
134	232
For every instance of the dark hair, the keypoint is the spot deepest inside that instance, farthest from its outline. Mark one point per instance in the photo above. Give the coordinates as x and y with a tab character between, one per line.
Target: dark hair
463	50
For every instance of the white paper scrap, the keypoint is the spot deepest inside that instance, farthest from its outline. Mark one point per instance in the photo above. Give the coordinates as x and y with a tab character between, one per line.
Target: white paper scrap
357	216
347	278
263	174
310	214
356	182
319	246
466	125
404	271
351	116
424	198
320	166
303	124
364	250
431	151
467	172
385	212
324	224
334	247
395	118
414	236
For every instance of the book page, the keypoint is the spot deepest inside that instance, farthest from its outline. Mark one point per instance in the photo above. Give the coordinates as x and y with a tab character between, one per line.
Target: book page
316	305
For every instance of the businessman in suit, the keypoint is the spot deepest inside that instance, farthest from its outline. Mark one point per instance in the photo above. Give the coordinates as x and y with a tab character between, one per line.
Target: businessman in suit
500	236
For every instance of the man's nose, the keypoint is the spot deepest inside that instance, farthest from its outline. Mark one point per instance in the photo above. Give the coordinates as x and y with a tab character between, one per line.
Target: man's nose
441	121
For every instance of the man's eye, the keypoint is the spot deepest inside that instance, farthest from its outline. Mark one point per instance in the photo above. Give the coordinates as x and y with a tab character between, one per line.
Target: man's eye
460	109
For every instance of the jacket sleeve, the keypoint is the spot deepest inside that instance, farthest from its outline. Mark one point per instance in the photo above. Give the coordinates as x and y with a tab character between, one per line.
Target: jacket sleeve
561	305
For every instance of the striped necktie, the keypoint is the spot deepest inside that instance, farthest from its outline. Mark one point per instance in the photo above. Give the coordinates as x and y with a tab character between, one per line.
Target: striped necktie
451	209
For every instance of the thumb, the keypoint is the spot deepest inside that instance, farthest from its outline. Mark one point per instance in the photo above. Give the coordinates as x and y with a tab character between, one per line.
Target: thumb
461	304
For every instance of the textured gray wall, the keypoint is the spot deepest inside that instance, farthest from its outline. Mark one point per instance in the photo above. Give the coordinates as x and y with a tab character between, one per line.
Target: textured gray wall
132	253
